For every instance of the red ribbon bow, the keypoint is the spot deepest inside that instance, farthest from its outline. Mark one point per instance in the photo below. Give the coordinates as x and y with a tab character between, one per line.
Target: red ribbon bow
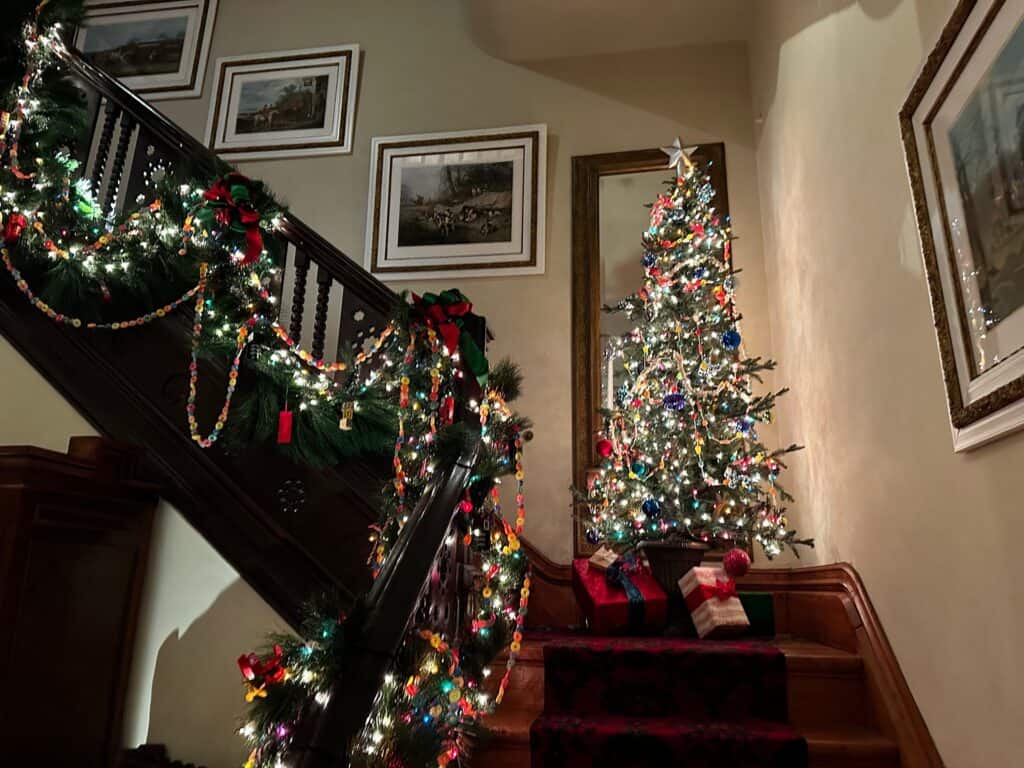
441	317
232	192
268	670
725	589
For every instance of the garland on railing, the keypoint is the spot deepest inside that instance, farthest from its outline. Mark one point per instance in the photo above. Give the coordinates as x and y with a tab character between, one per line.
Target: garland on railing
87	269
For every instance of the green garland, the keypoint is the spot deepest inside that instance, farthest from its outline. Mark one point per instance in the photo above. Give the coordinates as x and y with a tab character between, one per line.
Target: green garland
213	242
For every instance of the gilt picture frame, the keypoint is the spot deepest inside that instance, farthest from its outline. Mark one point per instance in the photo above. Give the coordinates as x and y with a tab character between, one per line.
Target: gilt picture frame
963	134
158	48
457	204
284	104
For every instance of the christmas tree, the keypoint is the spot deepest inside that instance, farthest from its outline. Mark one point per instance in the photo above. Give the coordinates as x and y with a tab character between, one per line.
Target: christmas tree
680	448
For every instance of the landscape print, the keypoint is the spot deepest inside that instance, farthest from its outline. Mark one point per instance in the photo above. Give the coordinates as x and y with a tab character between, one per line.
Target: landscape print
456	204
137	48
282	104
987	140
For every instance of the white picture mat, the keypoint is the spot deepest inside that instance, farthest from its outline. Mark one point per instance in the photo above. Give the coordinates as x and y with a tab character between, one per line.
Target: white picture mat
237	80
346	64
470	253
1012	417
538	204
180	81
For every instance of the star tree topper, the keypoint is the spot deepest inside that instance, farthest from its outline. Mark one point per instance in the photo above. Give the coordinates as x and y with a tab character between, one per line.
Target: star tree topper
679	156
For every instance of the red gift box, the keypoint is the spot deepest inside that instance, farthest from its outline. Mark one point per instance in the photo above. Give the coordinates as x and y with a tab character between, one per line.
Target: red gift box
607	607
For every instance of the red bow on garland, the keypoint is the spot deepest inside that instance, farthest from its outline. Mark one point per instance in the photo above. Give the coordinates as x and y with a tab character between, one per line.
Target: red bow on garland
260	673
229	203
446	313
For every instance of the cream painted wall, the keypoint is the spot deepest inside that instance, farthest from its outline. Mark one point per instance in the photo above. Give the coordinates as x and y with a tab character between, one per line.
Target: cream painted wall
196	615
422	72
932	532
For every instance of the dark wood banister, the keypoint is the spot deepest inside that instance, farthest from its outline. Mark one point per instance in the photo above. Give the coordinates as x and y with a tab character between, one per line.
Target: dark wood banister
382	618
198	482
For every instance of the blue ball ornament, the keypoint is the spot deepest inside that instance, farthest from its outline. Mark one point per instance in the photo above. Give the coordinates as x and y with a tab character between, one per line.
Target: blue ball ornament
593	537
731	340
652	508
674	401
639	469
649	259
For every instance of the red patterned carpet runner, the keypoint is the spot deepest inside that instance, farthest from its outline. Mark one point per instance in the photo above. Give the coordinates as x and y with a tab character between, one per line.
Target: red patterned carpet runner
671	703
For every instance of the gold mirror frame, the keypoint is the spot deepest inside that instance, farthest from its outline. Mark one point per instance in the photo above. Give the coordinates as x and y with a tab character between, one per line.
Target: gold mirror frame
587	171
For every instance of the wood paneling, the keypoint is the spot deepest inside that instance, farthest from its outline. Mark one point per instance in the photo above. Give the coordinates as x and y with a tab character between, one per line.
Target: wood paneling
74	536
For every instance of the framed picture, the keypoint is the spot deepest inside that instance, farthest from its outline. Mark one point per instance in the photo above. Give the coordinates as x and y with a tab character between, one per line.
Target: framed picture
963	134
465	204
157	48
285	104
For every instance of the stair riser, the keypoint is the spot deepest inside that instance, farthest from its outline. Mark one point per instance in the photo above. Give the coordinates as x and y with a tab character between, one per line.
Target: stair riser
817	760
823	701
586	746
685	685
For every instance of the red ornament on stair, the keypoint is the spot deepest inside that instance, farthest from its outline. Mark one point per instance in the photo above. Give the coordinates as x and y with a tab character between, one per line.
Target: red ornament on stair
736	563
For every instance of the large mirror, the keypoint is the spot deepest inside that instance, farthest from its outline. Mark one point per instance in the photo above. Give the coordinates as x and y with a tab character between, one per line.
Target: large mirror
610	192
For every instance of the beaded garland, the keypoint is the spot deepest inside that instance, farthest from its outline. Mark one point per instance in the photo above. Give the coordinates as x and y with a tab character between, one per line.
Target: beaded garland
76	322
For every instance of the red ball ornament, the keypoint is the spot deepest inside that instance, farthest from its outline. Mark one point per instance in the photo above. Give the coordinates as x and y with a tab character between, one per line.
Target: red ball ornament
604	447
736	563
466	506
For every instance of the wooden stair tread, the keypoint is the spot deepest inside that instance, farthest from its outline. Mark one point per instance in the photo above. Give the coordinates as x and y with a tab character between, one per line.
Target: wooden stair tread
850	740
809	657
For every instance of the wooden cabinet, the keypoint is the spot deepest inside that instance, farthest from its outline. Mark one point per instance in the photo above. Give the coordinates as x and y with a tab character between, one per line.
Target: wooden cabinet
74	537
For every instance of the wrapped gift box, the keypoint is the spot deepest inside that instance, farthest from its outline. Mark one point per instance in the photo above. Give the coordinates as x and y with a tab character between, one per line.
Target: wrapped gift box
713	604
608	607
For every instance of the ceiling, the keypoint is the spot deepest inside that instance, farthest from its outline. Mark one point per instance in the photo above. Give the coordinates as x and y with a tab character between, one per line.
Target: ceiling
527	30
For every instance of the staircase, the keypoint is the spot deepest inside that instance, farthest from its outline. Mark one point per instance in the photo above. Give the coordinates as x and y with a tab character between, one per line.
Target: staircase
824	690
290	531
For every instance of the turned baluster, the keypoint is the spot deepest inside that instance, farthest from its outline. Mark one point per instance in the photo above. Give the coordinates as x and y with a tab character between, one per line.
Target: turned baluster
110	115
299	294
323	297
120	157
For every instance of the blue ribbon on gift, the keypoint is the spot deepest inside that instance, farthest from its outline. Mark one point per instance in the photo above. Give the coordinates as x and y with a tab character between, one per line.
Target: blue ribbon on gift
617	575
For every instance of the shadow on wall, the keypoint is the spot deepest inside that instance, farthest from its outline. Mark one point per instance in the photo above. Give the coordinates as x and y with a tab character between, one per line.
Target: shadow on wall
197	696
801	14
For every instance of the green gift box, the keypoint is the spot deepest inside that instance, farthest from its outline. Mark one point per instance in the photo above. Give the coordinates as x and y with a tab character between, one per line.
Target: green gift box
760	608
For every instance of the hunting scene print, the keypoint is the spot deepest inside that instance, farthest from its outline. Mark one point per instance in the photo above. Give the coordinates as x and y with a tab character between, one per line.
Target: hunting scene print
282	104
136	48
448	204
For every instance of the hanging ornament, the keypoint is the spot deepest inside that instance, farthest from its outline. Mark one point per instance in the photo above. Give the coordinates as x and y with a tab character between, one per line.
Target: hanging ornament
348	411
736	563
652	508
13	228
448	410
284	426
593	537
639	469
604	447
731	340
674	402
649	259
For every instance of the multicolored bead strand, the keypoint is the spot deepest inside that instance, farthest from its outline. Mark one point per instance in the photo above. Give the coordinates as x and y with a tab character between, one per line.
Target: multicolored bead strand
76	322
193	370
